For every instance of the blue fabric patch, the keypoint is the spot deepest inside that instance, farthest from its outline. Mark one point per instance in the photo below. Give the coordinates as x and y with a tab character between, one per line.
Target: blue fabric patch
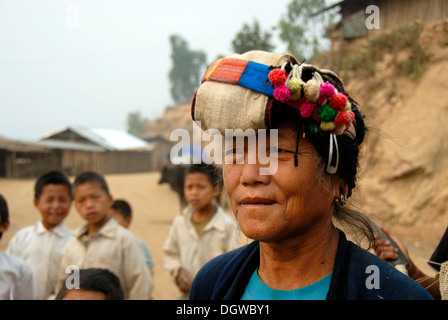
255	77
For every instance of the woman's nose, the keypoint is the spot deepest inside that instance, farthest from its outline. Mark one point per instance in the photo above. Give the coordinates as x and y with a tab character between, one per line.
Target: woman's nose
251	174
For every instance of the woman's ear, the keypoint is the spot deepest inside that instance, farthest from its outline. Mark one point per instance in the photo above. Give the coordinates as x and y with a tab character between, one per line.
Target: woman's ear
341	188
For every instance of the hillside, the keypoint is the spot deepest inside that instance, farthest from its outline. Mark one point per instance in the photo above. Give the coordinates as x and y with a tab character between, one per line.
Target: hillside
403	179
174	117
398	80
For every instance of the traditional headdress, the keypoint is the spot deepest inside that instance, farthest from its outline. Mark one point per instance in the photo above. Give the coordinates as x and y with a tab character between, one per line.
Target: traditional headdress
239	91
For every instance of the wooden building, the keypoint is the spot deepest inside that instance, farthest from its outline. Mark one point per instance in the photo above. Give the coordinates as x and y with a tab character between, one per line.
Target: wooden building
161	149
99	149
26	160
391	14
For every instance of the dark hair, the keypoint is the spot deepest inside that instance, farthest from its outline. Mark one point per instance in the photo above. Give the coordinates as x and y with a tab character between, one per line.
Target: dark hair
52	177
213	173
97	279
4	213
90	176
123	207
348	160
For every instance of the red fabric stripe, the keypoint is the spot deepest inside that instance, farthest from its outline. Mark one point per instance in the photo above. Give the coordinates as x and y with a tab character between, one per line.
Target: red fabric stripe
227	71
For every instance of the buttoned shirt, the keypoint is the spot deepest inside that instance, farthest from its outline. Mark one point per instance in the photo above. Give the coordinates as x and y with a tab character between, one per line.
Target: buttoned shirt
42	250
185	248
114	248
16	278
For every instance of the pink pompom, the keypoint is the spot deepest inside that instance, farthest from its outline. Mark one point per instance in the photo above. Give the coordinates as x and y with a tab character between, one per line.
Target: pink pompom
327	90
322	100
306	109
277	77
282	93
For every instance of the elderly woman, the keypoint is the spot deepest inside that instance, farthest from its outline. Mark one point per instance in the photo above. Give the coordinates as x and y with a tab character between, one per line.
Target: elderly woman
297	252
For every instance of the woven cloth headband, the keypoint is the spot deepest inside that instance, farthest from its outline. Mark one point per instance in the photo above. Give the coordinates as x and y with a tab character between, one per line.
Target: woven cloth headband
327	109
239	91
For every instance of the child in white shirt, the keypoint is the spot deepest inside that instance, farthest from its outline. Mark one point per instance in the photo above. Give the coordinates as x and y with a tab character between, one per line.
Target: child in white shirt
42	245
16	277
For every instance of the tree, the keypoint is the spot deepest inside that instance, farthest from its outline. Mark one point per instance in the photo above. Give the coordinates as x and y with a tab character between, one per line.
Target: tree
304	31
252	38
187	69
135	122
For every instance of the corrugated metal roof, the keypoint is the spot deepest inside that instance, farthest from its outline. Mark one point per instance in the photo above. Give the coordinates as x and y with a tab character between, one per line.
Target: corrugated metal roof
106	138
20	146
69	145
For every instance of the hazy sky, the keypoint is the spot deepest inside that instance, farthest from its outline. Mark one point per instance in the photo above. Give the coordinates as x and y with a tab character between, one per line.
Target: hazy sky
91	62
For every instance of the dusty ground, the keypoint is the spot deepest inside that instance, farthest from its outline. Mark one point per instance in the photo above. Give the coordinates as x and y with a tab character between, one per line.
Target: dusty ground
154	207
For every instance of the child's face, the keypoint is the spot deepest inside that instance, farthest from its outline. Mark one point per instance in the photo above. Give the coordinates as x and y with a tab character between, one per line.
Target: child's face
81	294
54	204
125	222
92	202
199	191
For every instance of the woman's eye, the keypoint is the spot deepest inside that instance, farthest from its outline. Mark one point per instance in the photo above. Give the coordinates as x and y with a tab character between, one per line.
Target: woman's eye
277	150
231	151
279	153
274	150
234	156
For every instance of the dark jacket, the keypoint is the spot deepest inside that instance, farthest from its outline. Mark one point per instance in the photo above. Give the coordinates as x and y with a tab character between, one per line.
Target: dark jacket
225	277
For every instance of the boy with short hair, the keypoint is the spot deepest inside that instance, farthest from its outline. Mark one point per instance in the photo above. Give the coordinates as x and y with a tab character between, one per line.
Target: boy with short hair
94	284
42	245
203	230
122	212
102	243
16	277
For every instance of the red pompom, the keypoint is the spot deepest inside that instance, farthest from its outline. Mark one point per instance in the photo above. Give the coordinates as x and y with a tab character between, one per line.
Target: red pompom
338	102
277	76
342	118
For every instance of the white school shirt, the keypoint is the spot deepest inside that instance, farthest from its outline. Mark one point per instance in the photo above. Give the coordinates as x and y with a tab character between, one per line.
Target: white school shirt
185	248
16	278
42	250
114	248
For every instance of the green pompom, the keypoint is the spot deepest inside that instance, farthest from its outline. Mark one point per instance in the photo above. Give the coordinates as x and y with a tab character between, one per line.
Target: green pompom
326	113
315	129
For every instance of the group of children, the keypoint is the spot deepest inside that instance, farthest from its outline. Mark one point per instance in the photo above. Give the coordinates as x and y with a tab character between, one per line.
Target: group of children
113	263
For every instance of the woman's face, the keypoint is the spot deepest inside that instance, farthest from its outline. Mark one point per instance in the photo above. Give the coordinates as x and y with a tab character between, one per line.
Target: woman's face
292	201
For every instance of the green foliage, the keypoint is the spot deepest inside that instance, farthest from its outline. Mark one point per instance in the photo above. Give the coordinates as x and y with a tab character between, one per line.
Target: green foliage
302	30
187	69
402	40
252	38
135	122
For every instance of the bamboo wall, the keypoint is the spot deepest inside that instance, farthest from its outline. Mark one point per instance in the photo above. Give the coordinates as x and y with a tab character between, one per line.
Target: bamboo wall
397	13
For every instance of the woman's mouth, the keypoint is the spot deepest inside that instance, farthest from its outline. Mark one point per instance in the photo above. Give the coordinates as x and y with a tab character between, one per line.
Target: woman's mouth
256	201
